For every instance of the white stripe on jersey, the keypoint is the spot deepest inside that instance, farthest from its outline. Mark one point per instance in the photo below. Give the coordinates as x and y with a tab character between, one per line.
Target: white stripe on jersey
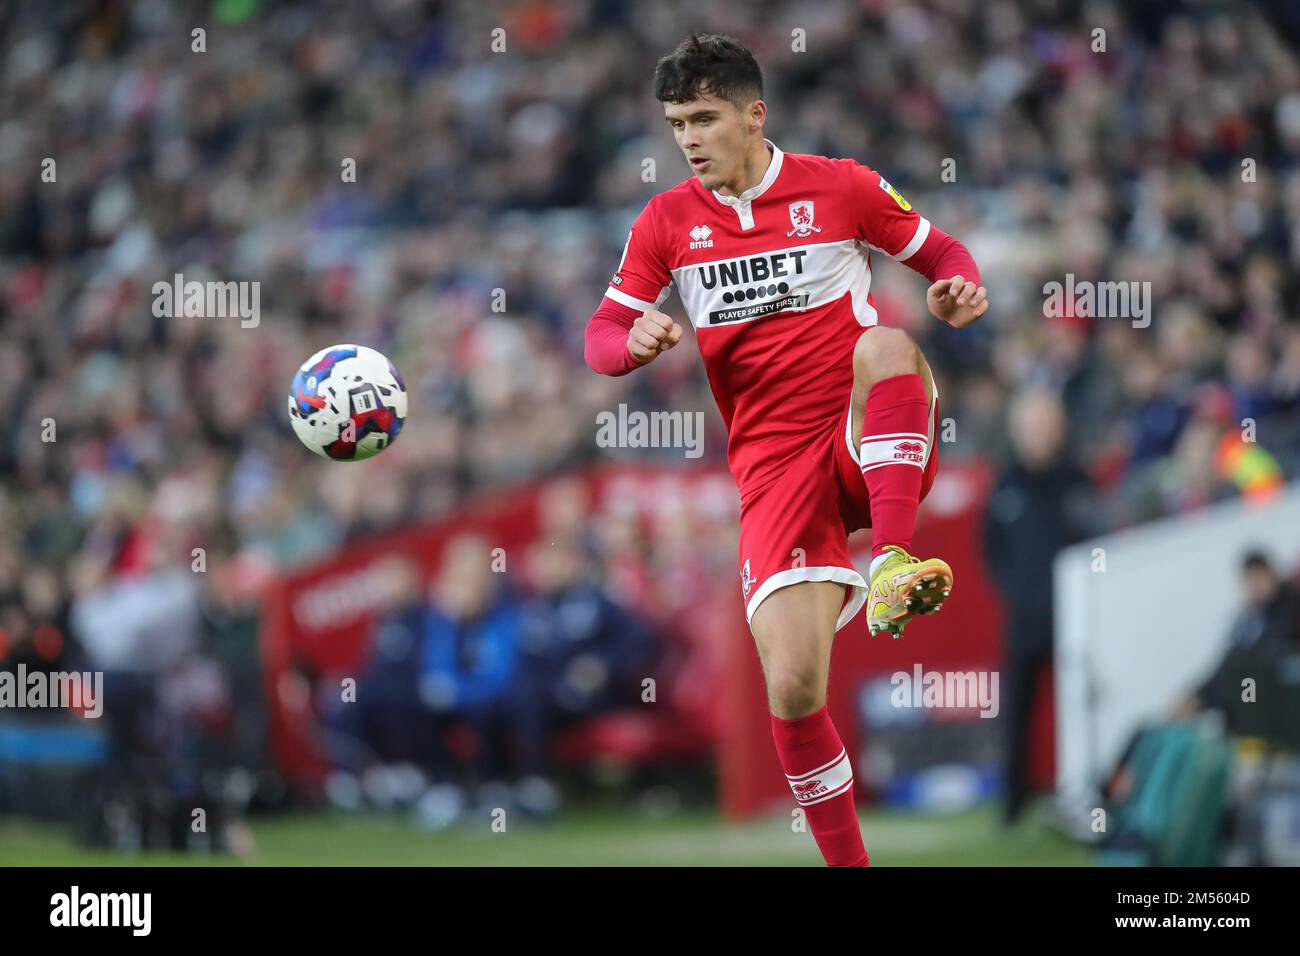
634	303
909	250
741	289
918	240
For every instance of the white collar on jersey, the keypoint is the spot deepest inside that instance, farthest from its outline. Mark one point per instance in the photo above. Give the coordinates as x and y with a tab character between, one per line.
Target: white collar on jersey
753	192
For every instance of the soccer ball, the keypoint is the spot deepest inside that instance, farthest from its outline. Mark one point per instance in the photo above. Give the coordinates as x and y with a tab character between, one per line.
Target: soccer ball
347	402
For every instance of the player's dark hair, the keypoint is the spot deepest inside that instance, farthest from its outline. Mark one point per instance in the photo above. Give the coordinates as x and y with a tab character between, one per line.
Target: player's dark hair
718	65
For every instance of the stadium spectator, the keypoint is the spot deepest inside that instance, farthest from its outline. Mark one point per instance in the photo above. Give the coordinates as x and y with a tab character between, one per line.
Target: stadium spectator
1268	623
582	653
1034	511
377	736
441	660
468	667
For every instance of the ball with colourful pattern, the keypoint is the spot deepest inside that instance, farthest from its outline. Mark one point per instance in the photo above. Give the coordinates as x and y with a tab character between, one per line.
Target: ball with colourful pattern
347	403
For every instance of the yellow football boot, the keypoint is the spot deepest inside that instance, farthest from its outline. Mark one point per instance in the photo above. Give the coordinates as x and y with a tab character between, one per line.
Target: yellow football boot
904	586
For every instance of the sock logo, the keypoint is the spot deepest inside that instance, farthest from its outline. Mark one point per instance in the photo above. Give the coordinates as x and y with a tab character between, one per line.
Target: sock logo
824	782
806	791
908	451
900	448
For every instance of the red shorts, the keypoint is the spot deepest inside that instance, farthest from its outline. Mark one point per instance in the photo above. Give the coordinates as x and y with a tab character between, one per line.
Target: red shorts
796	527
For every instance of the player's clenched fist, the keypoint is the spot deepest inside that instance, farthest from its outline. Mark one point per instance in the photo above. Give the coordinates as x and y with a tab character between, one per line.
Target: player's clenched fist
652	333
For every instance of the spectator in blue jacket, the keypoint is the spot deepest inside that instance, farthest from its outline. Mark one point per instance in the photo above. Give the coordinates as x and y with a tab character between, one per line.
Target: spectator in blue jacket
468	664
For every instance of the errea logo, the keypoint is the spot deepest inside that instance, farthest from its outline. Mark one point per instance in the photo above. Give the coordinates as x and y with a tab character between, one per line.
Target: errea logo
700	237
806	791
909	451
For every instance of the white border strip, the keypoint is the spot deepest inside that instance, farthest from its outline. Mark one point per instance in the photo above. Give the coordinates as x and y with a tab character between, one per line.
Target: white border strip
918	240
825	572
624	299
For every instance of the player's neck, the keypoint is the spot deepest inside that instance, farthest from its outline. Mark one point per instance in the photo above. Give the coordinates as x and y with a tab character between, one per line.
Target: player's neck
755	168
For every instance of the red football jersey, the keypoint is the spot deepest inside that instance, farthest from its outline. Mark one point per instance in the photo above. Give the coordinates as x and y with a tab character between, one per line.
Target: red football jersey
777	283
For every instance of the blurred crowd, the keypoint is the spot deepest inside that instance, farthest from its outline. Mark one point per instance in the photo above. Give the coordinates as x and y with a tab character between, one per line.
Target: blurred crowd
513	667
477	677
495	177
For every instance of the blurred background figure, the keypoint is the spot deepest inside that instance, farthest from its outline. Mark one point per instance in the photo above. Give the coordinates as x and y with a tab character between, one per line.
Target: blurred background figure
379	740
1217	777
583	655
1264	634
1035	510
469	668
175	640
443	659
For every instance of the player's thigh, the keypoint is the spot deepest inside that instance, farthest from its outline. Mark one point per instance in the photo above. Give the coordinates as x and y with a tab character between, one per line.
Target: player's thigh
794	628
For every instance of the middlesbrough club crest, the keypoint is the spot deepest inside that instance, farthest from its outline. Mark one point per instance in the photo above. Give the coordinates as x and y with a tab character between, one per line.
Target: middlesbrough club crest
746	582
801	217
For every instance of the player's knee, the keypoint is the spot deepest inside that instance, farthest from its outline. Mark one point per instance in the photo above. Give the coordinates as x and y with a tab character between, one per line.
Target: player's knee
884	352
793	691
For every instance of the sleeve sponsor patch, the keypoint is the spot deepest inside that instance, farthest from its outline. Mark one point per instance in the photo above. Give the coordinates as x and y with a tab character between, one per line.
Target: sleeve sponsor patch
903	204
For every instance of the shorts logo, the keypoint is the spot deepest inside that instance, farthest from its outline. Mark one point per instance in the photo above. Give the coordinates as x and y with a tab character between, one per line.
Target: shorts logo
746	582
903	204
801	217
806	791
908	451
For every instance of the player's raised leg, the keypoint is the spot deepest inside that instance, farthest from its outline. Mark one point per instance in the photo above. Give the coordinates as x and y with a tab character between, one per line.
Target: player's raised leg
794	628
892	392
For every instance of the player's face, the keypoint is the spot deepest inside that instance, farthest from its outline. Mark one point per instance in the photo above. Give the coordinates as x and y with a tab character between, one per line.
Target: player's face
714	135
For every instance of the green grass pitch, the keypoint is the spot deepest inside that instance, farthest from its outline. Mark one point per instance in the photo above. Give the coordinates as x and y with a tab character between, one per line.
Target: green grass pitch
583	837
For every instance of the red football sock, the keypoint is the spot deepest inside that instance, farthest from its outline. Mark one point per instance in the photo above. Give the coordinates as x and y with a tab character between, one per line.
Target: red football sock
895	427
817	767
